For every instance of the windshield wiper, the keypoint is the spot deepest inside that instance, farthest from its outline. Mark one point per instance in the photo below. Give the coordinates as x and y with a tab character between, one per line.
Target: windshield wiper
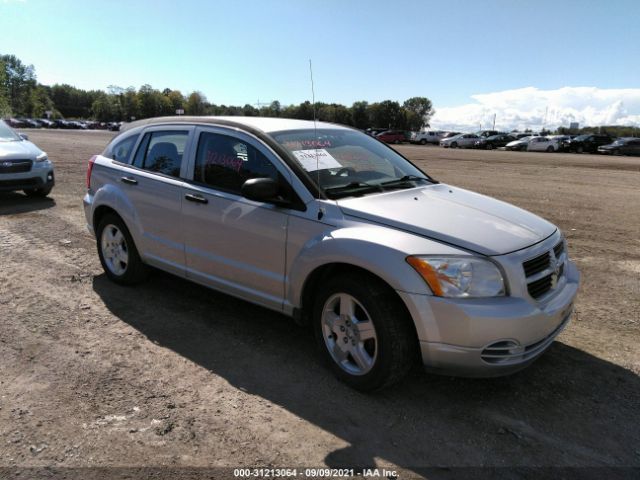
404	180
353	188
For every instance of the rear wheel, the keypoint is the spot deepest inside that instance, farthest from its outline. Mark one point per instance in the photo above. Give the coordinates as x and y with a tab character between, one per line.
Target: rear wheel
118	254
364	332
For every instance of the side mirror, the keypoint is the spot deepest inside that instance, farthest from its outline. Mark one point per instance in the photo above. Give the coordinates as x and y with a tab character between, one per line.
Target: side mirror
24	136
262	190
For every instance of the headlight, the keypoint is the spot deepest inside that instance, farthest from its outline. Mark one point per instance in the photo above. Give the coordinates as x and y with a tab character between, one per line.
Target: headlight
459	277
42	157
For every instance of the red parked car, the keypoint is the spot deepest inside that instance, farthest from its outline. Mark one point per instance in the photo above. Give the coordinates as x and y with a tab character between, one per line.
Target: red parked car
392	136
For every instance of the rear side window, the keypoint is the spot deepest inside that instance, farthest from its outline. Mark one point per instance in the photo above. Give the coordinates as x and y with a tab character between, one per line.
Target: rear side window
162	152
121	151
225	163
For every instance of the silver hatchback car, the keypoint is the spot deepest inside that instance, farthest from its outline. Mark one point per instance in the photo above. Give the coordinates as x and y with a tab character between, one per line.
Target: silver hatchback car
334	228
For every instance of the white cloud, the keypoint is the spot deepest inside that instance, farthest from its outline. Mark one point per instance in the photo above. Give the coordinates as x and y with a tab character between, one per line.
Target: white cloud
526	108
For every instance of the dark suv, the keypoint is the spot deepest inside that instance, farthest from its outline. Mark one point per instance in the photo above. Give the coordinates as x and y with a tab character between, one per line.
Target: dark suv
588	143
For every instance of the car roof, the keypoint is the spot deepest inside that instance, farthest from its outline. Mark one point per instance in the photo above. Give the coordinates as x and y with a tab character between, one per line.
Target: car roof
264	124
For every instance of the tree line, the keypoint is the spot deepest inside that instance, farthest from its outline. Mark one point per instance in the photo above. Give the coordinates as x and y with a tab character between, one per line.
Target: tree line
22	95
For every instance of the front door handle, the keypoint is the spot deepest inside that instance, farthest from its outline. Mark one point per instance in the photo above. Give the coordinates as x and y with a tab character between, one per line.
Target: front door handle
196	198
129	180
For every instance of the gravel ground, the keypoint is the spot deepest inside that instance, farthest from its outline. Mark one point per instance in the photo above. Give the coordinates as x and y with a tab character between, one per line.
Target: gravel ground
170	374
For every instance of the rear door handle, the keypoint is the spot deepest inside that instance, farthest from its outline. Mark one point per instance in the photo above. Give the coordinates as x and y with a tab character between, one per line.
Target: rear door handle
196	198
129	180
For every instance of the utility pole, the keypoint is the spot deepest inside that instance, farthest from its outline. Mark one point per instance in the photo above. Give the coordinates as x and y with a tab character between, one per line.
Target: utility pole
494	122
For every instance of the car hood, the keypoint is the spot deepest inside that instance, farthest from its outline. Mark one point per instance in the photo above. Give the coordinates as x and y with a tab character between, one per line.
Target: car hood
17	150
517	142
454	216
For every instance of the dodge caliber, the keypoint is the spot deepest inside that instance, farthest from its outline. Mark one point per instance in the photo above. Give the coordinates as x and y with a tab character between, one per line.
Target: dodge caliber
339	231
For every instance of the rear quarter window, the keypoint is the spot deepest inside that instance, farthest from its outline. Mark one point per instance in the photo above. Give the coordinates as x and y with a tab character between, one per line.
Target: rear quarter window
122	149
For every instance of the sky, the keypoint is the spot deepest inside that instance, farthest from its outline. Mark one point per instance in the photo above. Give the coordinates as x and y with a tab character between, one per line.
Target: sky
528	62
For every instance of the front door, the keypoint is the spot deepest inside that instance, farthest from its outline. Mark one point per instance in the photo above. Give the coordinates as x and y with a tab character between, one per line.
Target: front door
231	243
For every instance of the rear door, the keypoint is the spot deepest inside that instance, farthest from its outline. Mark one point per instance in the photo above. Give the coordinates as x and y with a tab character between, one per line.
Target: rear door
232	243
153	183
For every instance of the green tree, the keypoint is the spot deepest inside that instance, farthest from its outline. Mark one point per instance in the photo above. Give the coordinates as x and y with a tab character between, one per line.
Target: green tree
387	114
360	115
249	110
39	103
5	109
176	99
104	108
196	103
419	111
19	80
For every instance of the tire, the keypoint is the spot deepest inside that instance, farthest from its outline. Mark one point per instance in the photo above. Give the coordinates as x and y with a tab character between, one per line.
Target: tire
454	145
489	146
579	149
38	192
423	142
118	254
350	307
550	149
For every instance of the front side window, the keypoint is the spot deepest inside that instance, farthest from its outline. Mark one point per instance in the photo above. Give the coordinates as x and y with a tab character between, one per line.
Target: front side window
162	152
346	162
226	162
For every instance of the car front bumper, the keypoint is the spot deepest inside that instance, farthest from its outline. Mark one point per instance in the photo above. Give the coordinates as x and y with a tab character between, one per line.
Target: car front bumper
37	177
489	337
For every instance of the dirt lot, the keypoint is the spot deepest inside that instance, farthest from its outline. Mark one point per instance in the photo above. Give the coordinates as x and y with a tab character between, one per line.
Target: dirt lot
172	374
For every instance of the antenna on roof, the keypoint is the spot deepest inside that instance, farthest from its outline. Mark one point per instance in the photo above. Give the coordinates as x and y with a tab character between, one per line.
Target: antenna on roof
317	142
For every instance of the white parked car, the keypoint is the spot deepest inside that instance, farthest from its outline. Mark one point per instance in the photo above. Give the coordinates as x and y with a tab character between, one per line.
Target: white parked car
427	136
520	144
464	140
552	143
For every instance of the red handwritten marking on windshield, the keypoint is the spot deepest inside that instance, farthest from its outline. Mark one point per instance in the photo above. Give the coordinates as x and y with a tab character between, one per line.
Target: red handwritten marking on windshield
304	144
227	161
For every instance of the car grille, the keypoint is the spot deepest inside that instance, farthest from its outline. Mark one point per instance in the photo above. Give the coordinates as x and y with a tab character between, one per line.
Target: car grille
15	166
544	271
508	351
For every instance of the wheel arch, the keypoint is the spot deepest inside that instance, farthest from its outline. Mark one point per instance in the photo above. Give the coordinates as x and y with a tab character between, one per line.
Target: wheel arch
100	212
323	272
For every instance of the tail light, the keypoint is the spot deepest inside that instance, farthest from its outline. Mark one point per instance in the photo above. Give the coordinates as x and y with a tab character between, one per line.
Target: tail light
92	160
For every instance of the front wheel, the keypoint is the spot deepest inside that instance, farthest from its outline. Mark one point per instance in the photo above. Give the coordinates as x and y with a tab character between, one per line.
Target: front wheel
364	332
454	145
423	142
550	149
118	254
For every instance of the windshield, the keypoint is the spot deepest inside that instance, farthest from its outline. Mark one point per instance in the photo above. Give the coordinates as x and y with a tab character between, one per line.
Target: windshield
6	134
347	162
582	137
